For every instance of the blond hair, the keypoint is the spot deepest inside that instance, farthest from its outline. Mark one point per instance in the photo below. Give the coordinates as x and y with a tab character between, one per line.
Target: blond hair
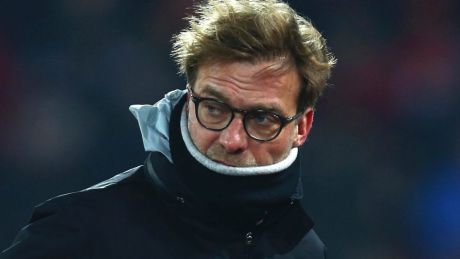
254	30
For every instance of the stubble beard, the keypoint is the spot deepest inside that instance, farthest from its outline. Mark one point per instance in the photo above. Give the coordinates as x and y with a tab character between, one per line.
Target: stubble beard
218	154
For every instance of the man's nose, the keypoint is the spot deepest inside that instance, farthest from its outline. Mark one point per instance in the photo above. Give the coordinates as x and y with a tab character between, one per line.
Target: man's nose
234	138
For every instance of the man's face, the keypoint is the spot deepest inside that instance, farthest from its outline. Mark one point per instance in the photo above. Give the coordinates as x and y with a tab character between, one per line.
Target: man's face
248	86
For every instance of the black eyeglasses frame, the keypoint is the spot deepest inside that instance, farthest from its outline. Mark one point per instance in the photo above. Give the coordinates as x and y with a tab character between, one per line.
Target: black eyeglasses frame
283	120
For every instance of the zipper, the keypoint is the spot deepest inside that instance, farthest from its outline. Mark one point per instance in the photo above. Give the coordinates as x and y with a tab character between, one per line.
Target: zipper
248	241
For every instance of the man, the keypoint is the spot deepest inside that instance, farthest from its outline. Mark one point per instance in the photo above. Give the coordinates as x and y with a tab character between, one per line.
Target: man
222	177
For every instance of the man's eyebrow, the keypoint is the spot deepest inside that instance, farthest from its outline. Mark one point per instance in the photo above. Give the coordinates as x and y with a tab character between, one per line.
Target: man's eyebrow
210	90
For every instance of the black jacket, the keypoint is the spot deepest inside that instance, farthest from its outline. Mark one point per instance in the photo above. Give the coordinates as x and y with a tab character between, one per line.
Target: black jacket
132	216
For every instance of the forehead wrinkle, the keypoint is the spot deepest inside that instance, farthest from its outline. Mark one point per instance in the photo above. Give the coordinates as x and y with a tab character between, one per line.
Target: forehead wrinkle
273	68
211	90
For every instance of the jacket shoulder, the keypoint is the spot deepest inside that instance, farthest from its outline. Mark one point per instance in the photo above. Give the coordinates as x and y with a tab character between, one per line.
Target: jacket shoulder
92	195
310	247
59	226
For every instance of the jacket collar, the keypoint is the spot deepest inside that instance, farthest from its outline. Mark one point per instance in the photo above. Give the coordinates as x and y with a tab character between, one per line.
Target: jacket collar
283	226
285	223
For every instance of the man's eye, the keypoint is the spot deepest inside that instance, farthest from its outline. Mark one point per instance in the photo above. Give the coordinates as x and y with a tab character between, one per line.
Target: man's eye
213	109
264	119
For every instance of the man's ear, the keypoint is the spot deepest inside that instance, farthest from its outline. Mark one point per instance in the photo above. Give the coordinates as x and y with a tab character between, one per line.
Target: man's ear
187	97
304	124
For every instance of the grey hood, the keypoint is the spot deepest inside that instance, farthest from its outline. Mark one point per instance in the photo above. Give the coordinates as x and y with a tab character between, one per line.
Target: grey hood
154	122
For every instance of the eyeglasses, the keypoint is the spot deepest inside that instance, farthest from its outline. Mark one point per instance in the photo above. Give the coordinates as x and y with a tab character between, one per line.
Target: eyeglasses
260	125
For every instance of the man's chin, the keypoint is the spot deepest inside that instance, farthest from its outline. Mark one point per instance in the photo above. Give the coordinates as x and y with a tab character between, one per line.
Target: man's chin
234	163
233	160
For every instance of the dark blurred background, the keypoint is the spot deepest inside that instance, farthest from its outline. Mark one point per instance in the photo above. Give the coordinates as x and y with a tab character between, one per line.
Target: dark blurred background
382	165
